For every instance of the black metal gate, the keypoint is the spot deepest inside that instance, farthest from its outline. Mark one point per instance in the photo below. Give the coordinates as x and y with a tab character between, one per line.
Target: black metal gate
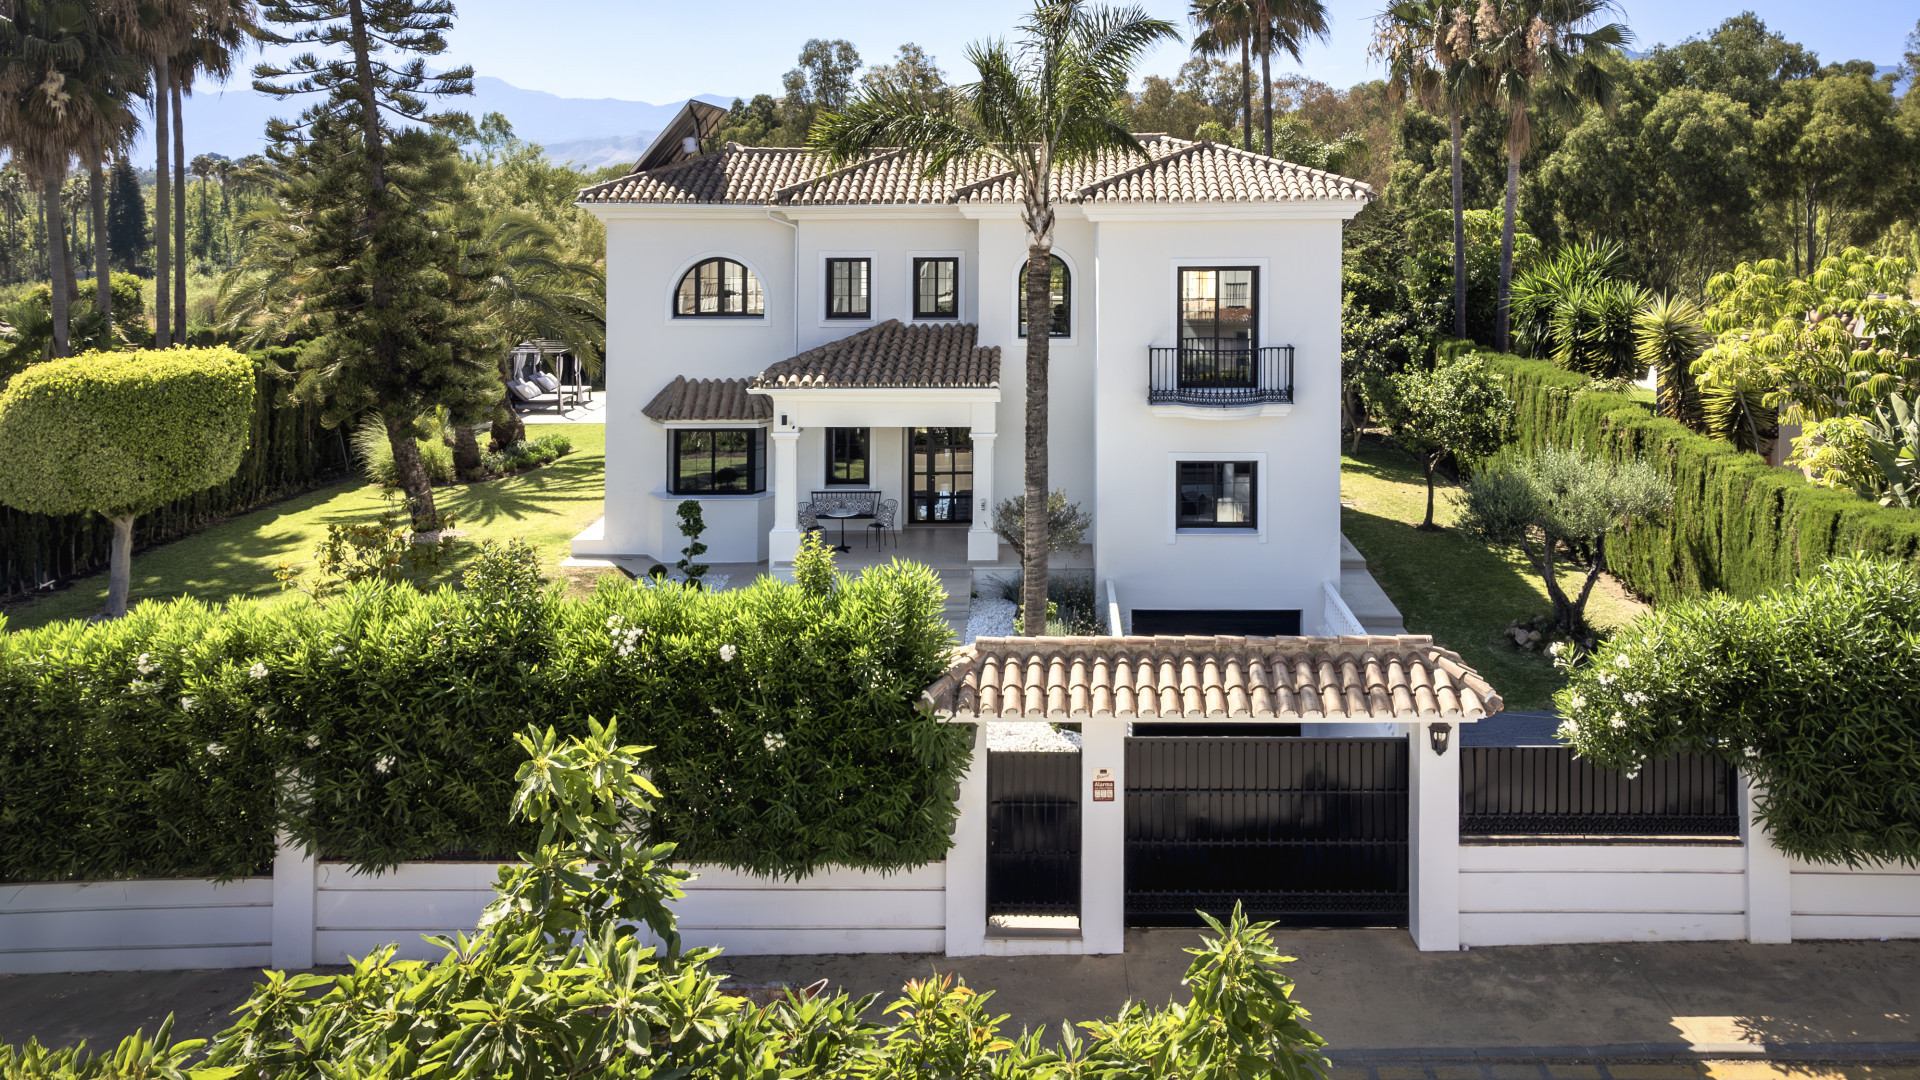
1033	833
1305	832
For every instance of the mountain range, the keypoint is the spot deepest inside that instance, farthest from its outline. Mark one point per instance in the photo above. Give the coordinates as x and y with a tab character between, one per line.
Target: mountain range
590	132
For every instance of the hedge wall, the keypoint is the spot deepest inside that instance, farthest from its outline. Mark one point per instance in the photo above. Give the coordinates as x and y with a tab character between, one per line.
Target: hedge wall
1738	525
287	451
783	720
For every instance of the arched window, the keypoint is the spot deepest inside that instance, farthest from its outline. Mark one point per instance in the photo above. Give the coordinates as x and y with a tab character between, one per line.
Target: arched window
1061	298
718	288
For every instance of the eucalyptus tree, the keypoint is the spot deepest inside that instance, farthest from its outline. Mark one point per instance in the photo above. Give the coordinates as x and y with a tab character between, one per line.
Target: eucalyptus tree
1540	56
1051	101
1222	27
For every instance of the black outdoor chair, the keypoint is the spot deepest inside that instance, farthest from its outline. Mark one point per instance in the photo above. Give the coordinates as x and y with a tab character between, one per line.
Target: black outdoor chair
883	518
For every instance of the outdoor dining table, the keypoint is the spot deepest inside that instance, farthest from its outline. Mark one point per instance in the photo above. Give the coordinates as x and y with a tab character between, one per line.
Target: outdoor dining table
842	513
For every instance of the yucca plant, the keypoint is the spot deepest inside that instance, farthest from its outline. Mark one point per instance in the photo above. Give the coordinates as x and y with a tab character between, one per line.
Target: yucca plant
1668	338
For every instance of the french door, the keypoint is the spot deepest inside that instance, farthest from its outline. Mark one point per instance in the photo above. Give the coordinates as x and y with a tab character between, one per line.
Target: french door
941	463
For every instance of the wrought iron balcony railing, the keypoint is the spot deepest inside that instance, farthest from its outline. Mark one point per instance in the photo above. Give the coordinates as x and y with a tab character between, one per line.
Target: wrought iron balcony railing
1225	378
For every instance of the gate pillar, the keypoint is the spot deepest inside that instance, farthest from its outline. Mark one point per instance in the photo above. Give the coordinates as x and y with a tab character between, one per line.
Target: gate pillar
1103	836
1433	909
967	858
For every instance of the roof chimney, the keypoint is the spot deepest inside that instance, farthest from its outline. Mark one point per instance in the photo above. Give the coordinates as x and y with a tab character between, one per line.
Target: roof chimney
691	145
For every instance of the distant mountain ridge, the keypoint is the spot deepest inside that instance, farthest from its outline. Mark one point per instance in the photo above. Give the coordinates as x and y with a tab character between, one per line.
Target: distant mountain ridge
590	132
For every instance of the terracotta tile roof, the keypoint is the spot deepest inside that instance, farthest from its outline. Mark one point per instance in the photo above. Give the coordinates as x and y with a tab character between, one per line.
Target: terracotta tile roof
1286	679
1179	172
891	354
707	399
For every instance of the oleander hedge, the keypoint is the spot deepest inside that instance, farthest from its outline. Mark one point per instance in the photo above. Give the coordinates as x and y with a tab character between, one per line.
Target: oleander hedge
1738	526
288	451
782	717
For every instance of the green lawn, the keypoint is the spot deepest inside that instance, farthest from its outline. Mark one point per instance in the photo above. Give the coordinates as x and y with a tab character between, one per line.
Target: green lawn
1446	584
547	506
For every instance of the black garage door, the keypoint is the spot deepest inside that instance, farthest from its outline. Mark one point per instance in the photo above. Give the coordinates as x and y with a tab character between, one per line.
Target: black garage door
1235	623
1306	832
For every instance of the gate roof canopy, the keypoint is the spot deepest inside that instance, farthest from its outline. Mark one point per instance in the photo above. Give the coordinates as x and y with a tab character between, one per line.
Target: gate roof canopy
1257	679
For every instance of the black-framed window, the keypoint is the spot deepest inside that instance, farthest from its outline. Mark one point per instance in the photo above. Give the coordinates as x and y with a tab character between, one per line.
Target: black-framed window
718	461
936	288
1219	308
719	288
1218	495
847	288
1060	297
847	457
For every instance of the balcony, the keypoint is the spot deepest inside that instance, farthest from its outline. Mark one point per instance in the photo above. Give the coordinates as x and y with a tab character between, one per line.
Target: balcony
1190	380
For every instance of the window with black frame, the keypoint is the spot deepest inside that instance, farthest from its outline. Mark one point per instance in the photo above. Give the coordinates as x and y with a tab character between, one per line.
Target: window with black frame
1219	325
719	288
1217	495
718	461
936	288
847	288
1060	297
847	457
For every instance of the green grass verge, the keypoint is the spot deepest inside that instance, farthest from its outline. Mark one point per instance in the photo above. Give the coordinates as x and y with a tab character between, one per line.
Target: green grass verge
547	507
1451	586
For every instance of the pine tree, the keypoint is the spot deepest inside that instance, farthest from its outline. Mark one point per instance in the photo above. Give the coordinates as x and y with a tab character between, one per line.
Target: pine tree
382	266
126	218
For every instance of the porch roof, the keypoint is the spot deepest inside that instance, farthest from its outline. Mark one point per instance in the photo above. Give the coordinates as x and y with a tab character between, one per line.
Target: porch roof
687	399
1285	679
893	354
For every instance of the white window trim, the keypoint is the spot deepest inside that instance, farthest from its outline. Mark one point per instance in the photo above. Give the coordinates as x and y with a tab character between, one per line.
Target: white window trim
1210	262
1263	507
960	296
873	278
673	294
1073	299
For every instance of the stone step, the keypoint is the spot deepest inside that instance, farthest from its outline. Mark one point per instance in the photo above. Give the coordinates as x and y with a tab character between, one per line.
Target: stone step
1350	557
1370	603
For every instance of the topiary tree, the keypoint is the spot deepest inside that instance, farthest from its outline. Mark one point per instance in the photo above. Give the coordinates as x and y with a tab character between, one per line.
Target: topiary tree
1459	408
1562	498
1807	689
1067	524
118	434
691	526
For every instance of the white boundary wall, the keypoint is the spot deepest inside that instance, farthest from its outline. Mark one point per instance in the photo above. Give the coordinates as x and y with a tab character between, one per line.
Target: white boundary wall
1538	894
135	925
1868	902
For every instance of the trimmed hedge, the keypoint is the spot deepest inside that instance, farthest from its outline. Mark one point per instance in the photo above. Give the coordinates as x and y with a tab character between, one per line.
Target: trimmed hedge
783	722
1738	525
288	451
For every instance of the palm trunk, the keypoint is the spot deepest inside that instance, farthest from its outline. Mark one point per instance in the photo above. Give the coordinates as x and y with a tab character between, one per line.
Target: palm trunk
1459	230
179	217
57	258
162	236
1033	560
1433	462
1506	246
1266	94
120	566
102	275
411	472
1246	95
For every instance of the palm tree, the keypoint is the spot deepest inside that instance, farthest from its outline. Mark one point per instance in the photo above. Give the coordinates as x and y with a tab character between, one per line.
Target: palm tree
1046	104
1539	56
217	35
1224	26
1282	24
154	30
1427	46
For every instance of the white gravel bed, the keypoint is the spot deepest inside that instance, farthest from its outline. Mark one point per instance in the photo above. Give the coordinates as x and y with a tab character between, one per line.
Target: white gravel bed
991	617
1041	737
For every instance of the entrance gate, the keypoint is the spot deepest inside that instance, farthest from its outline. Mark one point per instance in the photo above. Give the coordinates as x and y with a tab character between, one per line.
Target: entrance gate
1304	832
1033	833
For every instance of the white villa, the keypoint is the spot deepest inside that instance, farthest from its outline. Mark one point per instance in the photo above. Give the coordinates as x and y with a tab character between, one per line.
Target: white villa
782	335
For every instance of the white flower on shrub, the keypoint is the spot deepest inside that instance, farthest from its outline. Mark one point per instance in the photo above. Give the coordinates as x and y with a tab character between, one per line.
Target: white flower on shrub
258	670
727	653
261	712
1620	661
1604	679
774	741
144	662
313	742
384	765
1618	723
142	686
187	703
1576	702
216	750
336	650
1634	698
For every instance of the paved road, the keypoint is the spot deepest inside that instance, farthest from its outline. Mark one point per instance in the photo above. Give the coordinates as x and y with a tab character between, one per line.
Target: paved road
1381	1004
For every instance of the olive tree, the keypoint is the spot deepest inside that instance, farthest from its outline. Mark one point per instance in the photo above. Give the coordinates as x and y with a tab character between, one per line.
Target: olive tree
1459	408
119	434
1563	498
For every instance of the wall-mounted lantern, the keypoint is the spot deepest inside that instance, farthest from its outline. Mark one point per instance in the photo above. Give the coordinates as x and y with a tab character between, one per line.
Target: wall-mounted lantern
1438	735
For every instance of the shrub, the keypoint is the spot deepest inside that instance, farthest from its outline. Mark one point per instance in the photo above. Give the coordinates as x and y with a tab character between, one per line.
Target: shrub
375	451
1067	524
119	434
783	718
1808	689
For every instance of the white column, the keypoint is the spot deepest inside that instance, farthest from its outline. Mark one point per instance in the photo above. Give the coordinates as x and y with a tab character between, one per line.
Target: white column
1103	836
1433	908
294	881
1769	879
983	545
784	540
967	860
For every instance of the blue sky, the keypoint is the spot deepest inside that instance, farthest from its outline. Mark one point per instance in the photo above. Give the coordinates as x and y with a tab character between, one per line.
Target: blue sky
656	51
